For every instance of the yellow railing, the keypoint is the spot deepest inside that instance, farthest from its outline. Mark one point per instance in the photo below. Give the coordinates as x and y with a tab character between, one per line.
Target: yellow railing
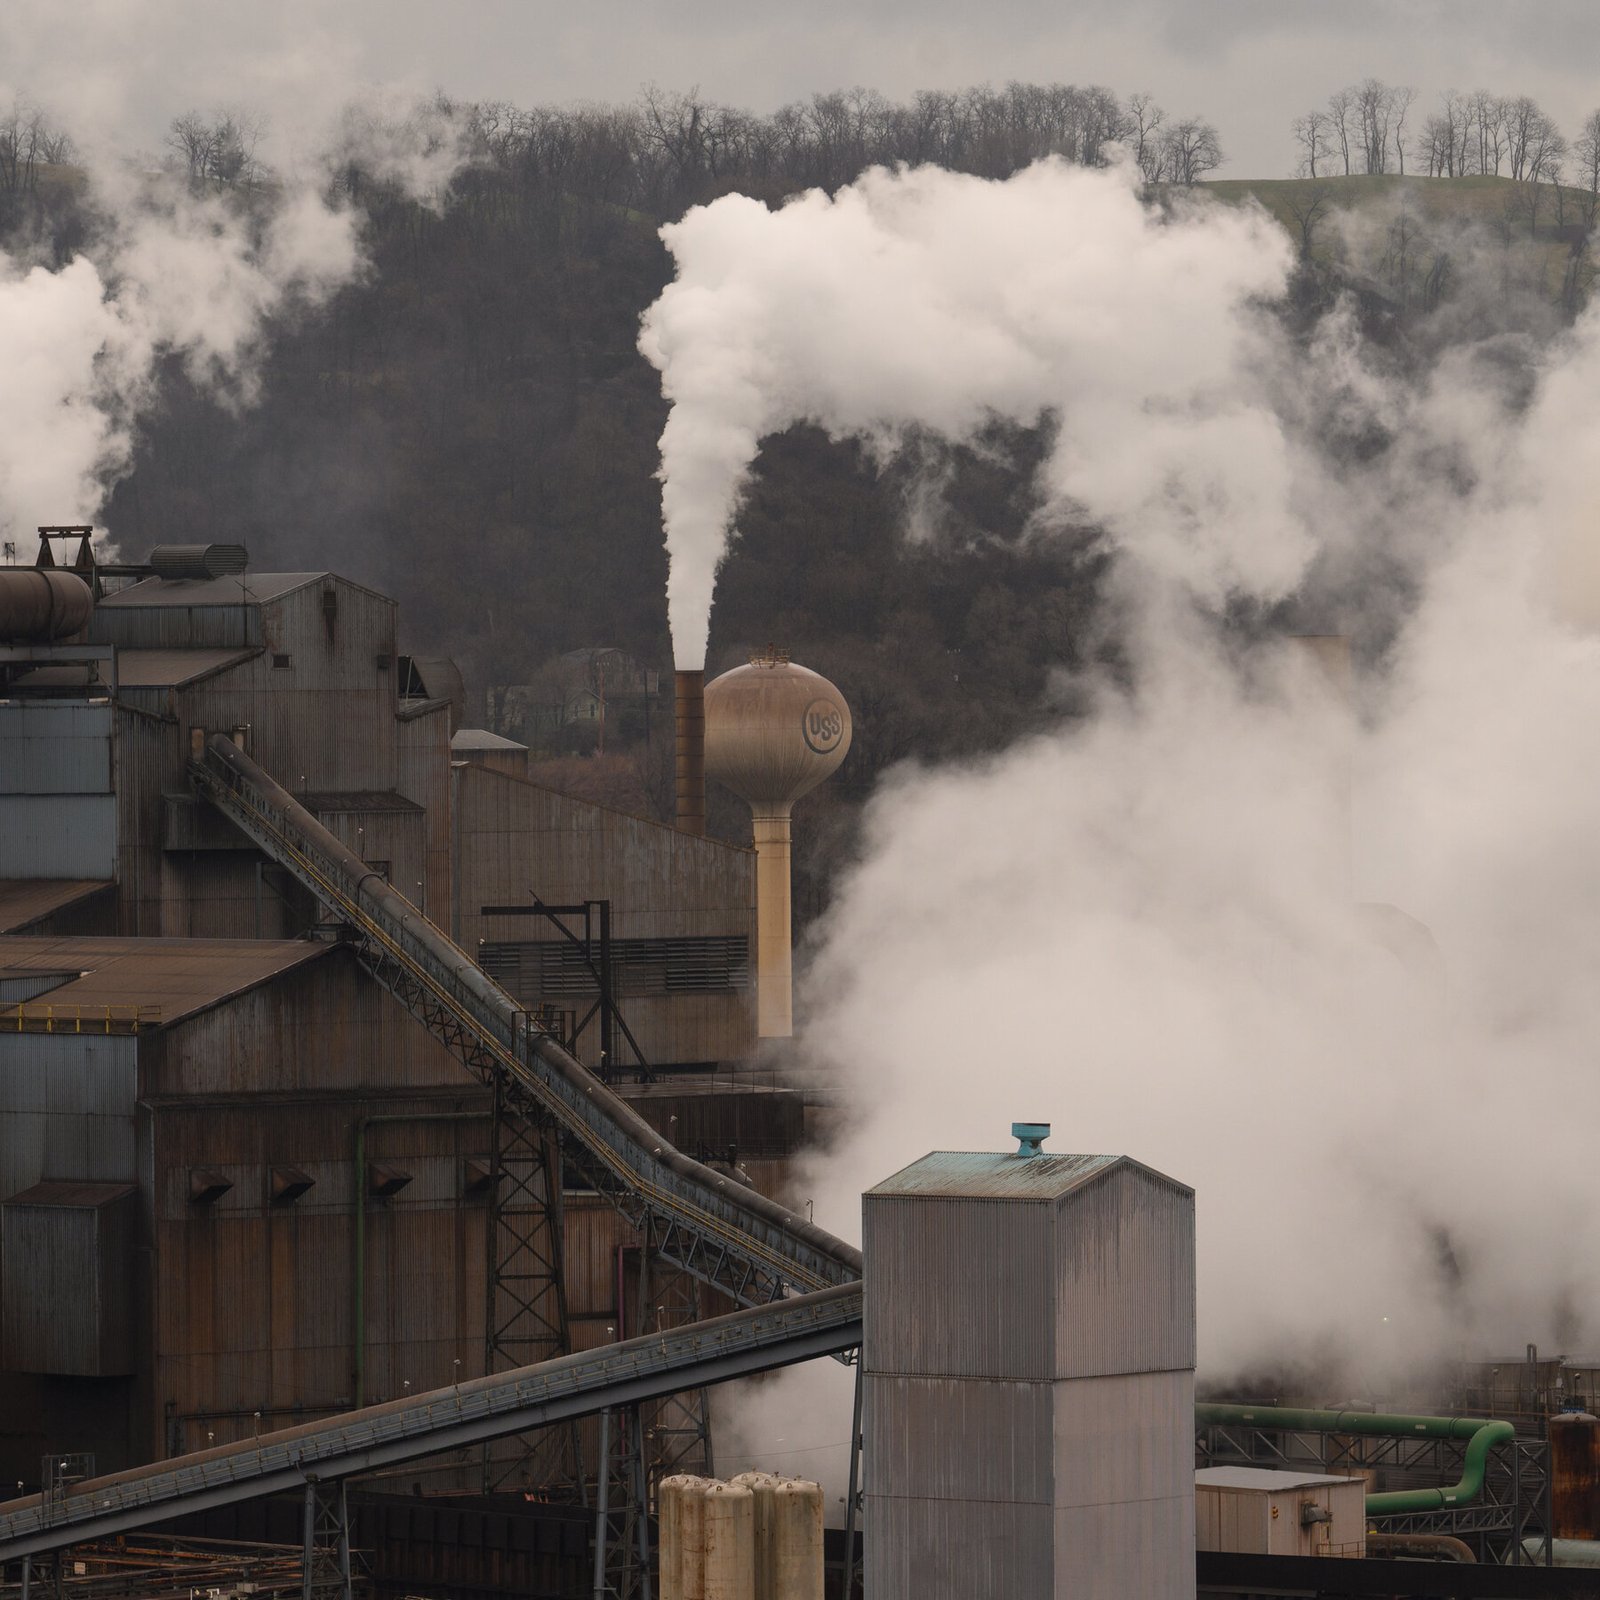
33	1016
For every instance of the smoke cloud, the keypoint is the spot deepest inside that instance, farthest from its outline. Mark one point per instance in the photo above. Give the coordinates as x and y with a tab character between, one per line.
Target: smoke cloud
1323	950
927	298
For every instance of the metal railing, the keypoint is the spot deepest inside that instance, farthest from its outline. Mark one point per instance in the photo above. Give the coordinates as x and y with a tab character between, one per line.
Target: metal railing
35	1017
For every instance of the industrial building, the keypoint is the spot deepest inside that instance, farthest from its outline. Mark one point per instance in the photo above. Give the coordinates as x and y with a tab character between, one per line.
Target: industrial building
383	1130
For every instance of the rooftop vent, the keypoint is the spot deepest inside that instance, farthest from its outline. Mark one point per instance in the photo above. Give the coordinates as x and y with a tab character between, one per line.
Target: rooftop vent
1030	1137
198	560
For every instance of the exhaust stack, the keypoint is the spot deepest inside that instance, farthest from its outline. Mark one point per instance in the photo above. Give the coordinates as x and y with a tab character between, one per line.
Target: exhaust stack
690	711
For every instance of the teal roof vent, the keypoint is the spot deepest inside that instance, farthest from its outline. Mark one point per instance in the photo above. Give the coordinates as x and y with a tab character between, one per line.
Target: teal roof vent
1030	1137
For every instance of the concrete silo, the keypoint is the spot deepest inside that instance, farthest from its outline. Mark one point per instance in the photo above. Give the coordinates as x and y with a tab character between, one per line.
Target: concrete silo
1028	1378
773	731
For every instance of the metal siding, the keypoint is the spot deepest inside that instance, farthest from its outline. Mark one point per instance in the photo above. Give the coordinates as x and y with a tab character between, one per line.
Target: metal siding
957	1439
55	748
1125	1438
65	1293
1127	1550
958	1288
58	836
66	1109
513	836
959	1550
1125	1276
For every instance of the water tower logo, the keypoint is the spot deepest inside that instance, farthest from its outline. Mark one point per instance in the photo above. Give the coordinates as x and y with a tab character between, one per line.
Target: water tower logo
822	726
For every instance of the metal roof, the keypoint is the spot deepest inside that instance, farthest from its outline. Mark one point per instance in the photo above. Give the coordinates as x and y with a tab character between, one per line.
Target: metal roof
28	900
81	1195
984	1174
481	739
329	800
1262	1478
254	588
167	669
167	979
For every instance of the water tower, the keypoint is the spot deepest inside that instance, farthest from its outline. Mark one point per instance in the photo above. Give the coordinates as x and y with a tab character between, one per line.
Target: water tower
774	731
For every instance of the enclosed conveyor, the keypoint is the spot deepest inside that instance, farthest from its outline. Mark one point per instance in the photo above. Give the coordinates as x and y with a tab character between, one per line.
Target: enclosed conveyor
751	1248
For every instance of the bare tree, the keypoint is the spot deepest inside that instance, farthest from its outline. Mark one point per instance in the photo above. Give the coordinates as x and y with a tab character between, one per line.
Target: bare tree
1373	106
219	149
1341	107
1192	150
1400	102
1145	118
1312	133
1308	207
1586	152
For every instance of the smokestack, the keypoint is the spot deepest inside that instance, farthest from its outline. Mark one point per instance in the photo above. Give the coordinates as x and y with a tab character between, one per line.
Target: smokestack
777	730
690	710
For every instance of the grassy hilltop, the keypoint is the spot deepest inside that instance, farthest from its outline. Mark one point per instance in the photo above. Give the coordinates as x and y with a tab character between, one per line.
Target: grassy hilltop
1405	237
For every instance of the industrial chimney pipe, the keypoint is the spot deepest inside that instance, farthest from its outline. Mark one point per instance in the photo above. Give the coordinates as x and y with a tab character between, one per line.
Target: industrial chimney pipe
690	710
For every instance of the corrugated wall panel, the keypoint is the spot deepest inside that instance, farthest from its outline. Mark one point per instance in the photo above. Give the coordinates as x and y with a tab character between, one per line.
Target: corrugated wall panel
1128	1437
1125	1276
55	748
958	1288
956	1439
960	1550
1116	1552
58	836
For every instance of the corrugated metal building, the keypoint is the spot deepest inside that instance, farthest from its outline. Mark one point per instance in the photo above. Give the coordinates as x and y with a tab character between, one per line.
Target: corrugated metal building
169	1031
683	914
1028	1379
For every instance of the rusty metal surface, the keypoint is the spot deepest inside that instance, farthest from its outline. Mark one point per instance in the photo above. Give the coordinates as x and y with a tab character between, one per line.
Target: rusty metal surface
246	589
1575	1476
24	901
176	977
66	1300
171	669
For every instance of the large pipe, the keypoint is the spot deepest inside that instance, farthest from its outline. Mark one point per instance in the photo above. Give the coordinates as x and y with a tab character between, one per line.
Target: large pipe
1481	1434
689	705
1420	1546
38	604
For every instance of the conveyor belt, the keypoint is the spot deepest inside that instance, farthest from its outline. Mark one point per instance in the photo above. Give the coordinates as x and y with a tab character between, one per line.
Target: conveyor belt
752	1248
646	1368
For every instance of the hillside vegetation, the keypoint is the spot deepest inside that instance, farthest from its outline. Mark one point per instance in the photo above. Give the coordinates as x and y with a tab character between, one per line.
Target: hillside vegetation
471	428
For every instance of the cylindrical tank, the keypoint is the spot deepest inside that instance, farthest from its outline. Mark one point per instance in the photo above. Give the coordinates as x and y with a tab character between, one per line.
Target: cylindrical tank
729	1542
763	1485
692	1538
774	731
198	560
670	1497
689	707
1575	1475
796	1541
38	604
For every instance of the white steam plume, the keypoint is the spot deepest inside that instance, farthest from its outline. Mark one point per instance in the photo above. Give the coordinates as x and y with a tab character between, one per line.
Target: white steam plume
1332	963
930	298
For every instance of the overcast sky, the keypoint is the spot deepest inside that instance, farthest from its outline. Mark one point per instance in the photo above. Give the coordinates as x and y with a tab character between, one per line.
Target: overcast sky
127	66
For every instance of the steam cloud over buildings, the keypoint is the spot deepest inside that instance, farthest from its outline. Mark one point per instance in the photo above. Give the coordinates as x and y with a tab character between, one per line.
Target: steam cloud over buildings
1321	955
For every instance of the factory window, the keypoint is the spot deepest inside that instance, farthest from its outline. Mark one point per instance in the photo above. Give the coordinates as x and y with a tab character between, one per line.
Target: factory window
548	969
281	663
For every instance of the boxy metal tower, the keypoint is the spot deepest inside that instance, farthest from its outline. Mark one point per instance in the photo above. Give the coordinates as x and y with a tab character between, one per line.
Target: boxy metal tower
1028	1373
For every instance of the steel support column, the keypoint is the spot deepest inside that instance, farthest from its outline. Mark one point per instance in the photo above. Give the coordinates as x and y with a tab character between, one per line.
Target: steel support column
325	1542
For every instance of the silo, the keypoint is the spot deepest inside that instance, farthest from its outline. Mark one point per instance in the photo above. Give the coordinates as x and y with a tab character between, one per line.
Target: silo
797	1564
763	1486
729	1542
1028	1378
1575	1475
672	1501
774	731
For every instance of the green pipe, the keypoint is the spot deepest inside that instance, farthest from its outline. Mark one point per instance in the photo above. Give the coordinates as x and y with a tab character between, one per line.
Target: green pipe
1481	1435
358	1307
